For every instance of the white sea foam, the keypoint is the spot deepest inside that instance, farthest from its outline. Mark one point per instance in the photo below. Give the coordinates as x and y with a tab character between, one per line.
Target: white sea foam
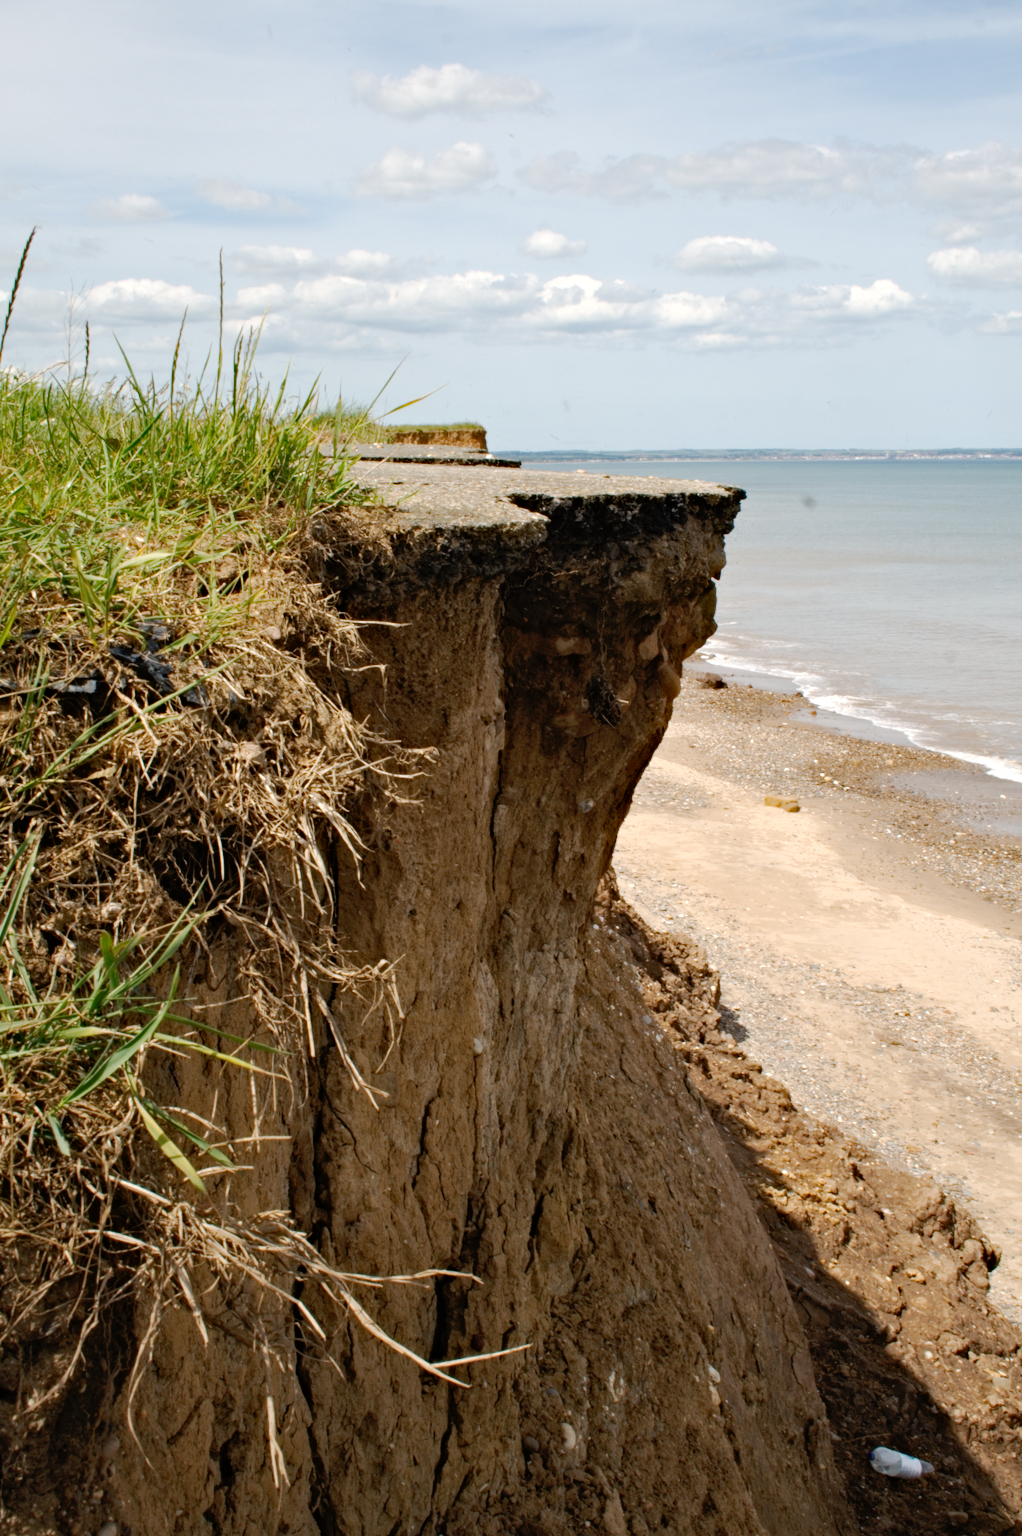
882	715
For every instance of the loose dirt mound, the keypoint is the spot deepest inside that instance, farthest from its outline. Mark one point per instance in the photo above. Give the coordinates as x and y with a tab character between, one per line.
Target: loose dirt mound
889	1277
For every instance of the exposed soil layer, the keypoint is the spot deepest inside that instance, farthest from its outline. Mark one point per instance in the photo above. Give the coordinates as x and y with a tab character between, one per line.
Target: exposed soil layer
443	437
889	1276
544	1129
537	1136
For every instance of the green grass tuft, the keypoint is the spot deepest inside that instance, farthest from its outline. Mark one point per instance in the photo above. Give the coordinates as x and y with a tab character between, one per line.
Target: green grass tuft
110	497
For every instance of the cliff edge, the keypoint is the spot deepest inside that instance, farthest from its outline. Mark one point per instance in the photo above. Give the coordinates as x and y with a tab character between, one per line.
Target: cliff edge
527	1123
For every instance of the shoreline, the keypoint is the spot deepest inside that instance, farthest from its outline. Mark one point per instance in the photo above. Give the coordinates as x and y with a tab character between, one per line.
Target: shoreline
862	726
940	775
836	540
758	455
870	947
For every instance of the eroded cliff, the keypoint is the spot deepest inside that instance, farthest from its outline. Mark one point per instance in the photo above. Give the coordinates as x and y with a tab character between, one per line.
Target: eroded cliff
538	1132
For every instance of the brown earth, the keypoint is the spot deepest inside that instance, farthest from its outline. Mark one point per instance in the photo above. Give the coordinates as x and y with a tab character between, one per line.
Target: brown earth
547	1130
441	437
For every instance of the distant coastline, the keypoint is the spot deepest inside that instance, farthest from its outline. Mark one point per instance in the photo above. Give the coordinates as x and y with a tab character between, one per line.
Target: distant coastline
737	455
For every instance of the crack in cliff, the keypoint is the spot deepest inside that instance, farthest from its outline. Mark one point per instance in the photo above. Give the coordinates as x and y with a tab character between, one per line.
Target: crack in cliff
451	1310
345	1126
422	1153
443	1456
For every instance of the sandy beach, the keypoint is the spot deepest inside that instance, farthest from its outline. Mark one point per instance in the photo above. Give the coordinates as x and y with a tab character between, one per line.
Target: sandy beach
870	946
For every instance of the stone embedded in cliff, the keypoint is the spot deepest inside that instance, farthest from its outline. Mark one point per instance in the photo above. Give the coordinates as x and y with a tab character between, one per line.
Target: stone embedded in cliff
670	681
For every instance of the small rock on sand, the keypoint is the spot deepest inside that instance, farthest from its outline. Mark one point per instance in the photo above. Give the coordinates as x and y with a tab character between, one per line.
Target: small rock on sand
782	802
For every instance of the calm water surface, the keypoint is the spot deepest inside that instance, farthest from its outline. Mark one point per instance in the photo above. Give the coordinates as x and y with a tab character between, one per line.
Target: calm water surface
887	591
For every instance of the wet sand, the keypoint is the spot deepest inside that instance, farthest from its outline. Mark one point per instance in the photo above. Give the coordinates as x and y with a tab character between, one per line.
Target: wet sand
870	946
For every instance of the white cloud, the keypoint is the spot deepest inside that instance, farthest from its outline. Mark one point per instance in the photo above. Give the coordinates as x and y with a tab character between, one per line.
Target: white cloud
280	262
582	303
727	253
765	168
451	88
954	232
262	296
771	168
334	310
132	208
972	183
882	297
233	195
145	298
1007	324
416	304
984	182
518	306
963	266
622	180
461	168
367	263
547	243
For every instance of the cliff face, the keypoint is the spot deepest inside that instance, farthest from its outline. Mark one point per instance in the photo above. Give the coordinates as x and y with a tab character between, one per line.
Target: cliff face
539	1133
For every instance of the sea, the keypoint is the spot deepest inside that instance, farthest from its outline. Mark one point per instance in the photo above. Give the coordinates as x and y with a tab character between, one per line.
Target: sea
889	591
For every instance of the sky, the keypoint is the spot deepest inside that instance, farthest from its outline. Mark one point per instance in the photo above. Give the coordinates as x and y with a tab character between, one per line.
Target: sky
715	224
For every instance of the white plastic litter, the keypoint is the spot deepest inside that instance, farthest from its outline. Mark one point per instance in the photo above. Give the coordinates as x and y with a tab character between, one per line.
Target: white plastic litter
897	1464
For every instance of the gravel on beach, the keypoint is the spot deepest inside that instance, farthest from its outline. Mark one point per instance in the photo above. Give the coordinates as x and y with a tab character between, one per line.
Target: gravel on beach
858	1092
948	817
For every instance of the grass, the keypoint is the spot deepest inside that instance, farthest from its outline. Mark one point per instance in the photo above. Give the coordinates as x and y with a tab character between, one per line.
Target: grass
174	757
439	426
148	540
156	612
111	498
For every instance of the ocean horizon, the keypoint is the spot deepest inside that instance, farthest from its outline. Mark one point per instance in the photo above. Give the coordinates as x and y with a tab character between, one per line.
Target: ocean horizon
886	587
752	455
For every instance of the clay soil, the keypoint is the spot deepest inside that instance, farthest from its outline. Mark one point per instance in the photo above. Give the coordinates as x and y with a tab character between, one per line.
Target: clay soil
890	1278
